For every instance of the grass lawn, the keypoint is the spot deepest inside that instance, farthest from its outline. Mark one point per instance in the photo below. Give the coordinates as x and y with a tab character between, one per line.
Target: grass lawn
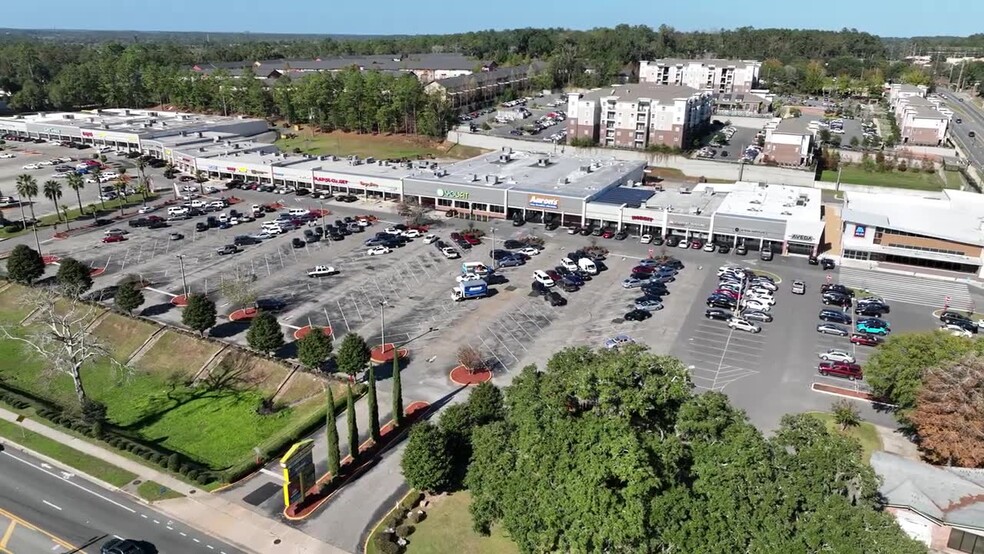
953	179
376	146
152	492
865	433
85	463
12	307
916	180
449	523
122	335
176	353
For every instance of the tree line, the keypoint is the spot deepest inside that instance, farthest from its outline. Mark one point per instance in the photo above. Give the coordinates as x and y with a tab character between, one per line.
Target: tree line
44	75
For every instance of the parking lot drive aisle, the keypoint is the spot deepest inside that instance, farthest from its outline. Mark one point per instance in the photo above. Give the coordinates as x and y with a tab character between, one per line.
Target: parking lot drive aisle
719	355
920	291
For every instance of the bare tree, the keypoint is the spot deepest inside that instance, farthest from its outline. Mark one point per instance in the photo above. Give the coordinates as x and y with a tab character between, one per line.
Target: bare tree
60	336
413	211
240	290
471	358
949	413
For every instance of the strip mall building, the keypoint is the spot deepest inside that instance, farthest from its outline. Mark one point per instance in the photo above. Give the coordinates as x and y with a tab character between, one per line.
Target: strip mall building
535	186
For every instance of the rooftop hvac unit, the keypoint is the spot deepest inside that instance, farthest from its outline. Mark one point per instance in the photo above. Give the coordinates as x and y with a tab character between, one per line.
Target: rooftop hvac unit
201	149
585	169
69	116
200	135
543	161
322	158
370	160
126	112
563	181
504	158
492	179
332	158
685	190
440	172
507	149
381	162
787	213
152	114
472	178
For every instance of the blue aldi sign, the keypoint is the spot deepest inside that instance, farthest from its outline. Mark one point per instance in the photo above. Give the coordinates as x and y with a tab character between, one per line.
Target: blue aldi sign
860	231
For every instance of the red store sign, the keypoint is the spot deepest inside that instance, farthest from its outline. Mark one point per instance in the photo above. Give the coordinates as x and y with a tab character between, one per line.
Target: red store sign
641	218
331	180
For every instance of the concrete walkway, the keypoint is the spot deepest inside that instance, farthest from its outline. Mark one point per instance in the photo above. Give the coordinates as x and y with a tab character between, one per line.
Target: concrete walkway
201	510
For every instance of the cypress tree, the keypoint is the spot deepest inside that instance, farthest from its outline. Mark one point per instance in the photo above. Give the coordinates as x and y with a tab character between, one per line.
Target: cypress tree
373	406
334	456
397	391
353	426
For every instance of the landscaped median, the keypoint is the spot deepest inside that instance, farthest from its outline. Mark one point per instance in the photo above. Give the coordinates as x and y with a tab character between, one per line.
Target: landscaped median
203	410
92	212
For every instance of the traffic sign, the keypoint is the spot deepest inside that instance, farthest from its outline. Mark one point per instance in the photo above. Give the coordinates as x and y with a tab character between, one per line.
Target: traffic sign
828	278
946	299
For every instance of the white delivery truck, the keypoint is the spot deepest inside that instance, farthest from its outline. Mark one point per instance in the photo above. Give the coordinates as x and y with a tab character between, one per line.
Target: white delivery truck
587	266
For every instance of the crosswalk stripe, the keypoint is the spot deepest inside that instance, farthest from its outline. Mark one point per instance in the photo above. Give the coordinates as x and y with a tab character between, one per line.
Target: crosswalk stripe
909	289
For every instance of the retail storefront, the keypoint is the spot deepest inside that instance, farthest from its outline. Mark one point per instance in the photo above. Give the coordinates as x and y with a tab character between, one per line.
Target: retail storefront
465	200
293	178
753	232
346	183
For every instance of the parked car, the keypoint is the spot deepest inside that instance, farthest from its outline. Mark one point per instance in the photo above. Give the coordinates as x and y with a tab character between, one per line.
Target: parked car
865	339
648	305
833	329
227	249
743	325
754	315
719	314
835	316
378	250
799	287
637	315
850	371
835	355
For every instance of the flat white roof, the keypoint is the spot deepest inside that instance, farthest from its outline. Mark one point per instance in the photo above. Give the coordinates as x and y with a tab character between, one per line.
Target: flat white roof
538	172
952	215
771	201
125	120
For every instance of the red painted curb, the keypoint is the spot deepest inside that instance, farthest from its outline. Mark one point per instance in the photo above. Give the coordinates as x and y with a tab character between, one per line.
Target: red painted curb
461	375
384	353
303	331
179	300
97	271
48	260
244	314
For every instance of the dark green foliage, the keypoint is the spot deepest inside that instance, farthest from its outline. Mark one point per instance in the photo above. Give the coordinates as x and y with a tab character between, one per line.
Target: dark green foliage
265	333
353	426
25	264
397	391
331	432
426	460
74	277
173	462
199	314
373	406
314	348
353	354
610	451
128	297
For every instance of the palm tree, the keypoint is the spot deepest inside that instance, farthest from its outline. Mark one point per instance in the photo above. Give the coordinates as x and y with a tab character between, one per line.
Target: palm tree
27	188
53	191
142	177
201	179
120	186
77	183
68	224
96	174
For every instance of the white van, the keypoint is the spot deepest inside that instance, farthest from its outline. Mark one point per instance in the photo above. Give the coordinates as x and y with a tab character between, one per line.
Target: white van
477	268
298	211
587	266
198	203
272	227
177	210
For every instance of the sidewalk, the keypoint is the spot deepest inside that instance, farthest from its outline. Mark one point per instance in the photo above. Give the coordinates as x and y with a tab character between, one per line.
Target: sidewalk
199	509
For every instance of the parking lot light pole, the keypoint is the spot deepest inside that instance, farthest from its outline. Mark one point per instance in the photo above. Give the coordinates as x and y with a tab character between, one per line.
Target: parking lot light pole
493	247
382	326
184	281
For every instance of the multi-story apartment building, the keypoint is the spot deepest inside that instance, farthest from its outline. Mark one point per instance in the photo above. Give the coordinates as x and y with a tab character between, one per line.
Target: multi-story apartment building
921	121
717	76
467	92
640	115
790	141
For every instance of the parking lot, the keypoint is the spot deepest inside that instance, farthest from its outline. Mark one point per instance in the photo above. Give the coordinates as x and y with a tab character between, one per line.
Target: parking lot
733	150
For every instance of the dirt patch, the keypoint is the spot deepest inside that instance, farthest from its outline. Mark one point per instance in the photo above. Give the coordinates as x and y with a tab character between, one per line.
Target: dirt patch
177	353
122	335
304	139
303	386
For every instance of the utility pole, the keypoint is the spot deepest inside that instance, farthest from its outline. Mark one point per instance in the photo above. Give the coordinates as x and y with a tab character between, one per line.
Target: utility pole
184	282
960	77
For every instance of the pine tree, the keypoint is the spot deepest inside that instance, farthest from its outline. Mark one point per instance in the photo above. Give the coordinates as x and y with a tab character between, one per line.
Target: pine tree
199	314
25	264
265	333
373	407
397	392
331	431
353	426
128	297
74	277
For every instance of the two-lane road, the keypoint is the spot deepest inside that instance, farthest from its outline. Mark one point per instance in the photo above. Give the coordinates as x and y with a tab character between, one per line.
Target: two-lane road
67	508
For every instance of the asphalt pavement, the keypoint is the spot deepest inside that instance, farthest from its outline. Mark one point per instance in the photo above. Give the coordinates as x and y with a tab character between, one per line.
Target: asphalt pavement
972	120
73	515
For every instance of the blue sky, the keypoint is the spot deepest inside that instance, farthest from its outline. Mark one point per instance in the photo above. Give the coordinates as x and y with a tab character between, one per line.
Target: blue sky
882	17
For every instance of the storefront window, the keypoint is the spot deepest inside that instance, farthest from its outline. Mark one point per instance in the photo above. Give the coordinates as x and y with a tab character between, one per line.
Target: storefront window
480	207
799	248
444	202
461	205
497	209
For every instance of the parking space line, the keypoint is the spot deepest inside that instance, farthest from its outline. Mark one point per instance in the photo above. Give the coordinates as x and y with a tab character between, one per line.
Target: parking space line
492	352
341	312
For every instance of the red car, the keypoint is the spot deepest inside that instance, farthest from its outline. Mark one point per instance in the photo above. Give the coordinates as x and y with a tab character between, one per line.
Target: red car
696	244
472	240
553	275
114	238
643	269
455	236
726	292
865	339
840	369
607	234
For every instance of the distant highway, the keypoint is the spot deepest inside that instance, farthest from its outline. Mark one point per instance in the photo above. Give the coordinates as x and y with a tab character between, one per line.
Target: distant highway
972	120
83	515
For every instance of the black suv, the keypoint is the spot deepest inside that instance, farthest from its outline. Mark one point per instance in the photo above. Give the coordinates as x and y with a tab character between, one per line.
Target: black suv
835	316
838	288
719	314
555	299
270	305
955	318
871	309
835	299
